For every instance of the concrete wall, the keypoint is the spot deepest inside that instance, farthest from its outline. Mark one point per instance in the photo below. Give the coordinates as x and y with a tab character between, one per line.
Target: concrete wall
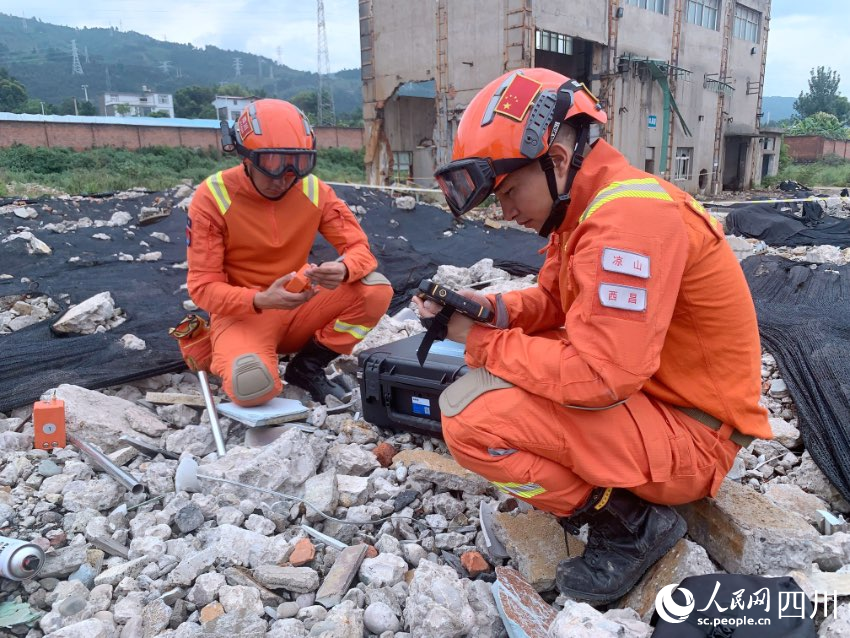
476	56
81	136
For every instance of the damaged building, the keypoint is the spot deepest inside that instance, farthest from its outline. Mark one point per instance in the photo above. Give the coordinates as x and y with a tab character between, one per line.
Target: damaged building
681	80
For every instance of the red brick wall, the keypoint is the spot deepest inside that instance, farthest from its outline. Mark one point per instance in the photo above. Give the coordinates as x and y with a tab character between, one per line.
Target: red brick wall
332	137
805	148
810	148
81	136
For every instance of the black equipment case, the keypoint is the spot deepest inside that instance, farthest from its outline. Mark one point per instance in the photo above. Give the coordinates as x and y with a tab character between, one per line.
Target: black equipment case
398	393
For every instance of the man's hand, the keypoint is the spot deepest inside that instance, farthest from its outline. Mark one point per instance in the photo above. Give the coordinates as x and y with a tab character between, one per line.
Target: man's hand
278	298
329	275
459	325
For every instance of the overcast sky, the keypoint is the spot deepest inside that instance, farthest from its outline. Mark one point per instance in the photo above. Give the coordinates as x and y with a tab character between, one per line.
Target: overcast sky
802	34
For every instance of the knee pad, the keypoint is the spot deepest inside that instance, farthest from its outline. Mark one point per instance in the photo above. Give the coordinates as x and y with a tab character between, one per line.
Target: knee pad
251	378
375	278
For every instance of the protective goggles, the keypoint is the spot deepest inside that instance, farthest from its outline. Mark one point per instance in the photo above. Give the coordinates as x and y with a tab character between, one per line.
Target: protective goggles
468	182
275	162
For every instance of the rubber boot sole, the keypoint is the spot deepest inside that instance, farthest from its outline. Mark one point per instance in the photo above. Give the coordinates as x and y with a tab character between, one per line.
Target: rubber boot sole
670	538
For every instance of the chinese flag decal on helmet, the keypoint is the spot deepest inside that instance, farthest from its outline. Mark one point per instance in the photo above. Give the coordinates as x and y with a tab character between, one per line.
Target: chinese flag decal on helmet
518	97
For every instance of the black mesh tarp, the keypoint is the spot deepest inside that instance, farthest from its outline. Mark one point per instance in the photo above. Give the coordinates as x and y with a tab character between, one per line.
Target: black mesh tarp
804	321
777	227
33	359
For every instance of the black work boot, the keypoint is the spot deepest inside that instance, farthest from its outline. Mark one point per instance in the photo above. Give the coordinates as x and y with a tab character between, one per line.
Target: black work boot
307	371
627	536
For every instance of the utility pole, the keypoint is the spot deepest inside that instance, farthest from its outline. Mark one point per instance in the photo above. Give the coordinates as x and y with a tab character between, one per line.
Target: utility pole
86	91
279	50
86	54
108	81
325	113
237	65
76	112
76	67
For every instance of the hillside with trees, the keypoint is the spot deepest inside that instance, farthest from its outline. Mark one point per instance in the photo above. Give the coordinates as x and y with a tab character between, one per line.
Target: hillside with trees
38	56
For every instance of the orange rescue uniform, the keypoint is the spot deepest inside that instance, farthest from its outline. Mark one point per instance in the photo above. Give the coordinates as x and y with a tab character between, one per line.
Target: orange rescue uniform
239	243
640	307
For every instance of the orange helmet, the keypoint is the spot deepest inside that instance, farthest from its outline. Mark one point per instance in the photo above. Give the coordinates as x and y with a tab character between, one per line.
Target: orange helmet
510	123
275	137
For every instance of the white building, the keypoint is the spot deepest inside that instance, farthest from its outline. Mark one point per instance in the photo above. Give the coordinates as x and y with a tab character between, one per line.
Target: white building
138	104
230	107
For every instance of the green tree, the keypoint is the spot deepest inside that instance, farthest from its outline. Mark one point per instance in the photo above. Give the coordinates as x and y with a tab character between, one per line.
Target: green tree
158	114
307	102
13	94
195	102
231	88
122	109
825	124
66	107
86	108
823	96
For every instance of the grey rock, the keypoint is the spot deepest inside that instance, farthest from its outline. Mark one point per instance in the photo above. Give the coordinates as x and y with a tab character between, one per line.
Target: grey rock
240	598
288	628
155	617
438	604
63	561
351	459
91	628
295	579
287	610
205	589
379	617
100	494
385	570
322	491
189	518
235	624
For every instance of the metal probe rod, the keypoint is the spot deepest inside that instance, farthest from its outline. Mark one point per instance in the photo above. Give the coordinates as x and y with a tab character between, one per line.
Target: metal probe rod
103	462
208	399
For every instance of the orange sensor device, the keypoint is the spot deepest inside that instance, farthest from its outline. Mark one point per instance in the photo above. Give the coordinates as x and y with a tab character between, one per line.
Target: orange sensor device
49	420
299	283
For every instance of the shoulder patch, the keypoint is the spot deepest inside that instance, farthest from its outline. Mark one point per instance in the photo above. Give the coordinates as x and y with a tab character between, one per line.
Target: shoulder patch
622	297
625	262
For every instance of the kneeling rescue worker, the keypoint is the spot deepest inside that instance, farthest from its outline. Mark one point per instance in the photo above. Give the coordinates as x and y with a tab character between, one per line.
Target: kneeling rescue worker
249	229
626	380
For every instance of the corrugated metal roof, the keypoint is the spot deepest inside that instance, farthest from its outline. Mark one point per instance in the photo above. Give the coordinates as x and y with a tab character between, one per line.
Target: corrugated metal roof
99	119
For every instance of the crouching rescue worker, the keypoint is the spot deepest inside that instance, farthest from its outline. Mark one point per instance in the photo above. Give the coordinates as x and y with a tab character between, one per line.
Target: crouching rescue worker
250	228
626	380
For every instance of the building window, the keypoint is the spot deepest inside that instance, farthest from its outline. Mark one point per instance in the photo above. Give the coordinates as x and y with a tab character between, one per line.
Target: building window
401	165
554	42
704	13
683	163
769	144
747	23
659	6
234	115
163	99
649	160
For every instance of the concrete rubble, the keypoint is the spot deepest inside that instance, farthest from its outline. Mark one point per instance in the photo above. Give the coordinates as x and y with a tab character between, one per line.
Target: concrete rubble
228	561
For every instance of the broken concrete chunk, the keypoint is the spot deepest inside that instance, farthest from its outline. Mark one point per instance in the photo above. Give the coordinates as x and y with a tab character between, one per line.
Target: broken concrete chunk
295	579
342	574
747	534
85	317
440	470
535	541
